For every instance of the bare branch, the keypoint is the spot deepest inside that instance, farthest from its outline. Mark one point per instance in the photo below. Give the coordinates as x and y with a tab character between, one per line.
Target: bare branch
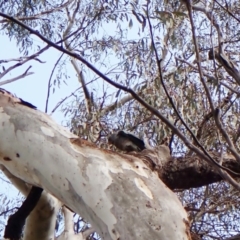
228	65
21	62
63	100
49	82
117	103
25	74
230	88
71	19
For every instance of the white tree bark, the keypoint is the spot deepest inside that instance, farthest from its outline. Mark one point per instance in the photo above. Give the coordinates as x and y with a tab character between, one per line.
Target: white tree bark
41	223
117	193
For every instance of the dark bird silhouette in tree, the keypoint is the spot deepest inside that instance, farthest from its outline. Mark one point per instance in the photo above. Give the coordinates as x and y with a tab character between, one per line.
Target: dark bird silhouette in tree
126	142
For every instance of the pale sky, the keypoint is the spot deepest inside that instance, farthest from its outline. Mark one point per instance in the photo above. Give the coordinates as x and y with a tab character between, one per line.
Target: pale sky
33	88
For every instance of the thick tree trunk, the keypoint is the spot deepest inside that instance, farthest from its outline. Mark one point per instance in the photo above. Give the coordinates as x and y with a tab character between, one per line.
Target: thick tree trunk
117	193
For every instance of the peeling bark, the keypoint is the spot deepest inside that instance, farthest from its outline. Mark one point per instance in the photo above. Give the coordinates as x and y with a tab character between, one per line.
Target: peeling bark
117	193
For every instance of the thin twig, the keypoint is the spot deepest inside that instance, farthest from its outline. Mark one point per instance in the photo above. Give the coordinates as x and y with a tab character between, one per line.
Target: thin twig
25	74
189	7
23	62
49	82
230	88
227	10
81	80
63	100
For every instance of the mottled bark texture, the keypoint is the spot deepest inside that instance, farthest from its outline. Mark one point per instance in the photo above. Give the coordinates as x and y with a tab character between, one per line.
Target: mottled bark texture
117	193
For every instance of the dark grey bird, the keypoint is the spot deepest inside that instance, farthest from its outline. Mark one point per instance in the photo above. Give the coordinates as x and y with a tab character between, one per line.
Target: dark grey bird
16	99
126	142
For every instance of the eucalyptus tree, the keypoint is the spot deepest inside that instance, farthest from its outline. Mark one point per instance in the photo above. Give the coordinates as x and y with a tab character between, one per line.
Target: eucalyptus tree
165	70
